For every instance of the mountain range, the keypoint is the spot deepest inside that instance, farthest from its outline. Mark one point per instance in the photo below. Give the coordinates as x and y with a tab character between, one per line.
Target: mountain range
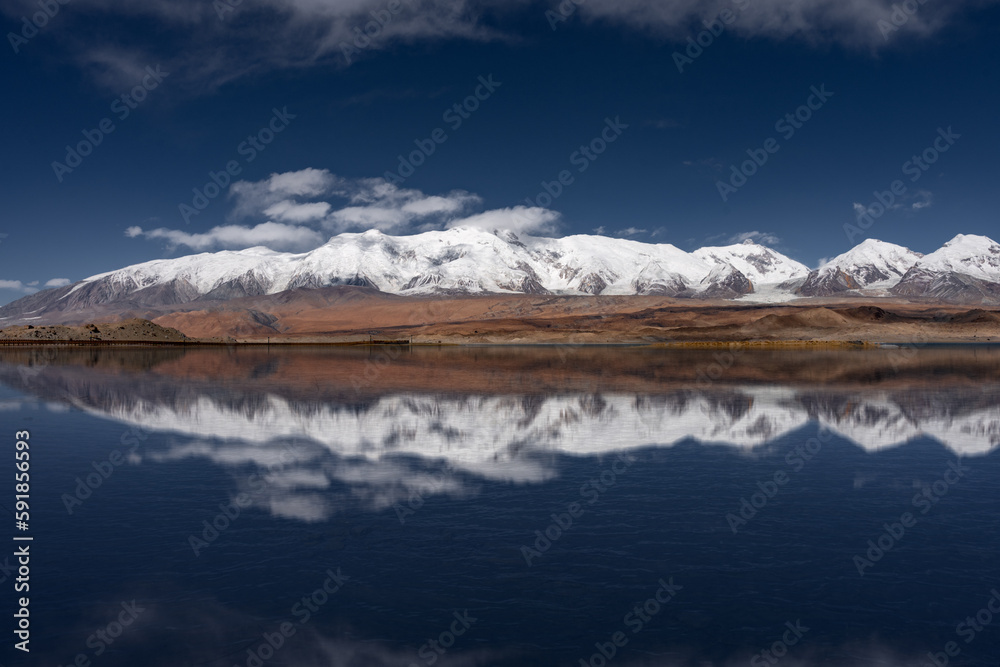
474	261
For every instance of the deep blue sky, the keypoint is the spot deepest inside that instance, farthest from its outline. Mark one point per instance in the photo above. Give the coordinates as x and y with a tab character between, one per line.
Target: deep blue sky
656	182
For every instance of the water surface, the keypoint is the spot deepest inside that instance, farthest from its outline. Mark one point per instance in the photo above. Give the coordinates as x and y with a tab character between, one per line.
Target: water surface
509	506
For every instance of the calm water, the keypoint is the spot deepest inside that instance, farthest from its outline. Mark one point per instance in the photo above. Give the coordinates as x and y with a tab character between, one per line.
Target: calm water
507	506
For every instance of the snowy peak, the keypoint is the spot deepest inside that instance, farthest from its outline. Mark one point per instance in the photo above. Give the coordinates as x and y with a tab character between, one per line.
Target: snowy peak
873	264
976	256
760	264
965	269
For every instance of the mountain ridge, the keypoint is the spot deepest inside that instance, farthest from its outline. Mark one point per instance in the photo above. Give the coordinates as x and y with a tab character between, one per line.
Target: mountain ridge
467	261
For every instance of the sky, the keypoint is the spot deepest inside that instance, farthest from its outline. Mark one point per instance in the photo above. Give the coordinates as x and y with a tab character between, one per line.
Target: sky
143	129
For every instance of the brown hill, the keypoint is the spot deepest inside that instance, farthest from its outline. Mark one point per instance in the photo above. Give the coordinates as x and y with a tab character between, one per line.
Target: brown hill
125	330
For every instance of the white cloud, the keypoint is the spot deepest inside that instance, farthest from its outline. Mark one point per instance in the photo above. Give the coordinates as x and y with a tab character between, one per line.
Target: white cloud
630	231
273	235
372	203
763	238
254	197
31	286
437	205
289	211
923	199
368	217
519	219
388	208
17	286
307	182
344	205
599	230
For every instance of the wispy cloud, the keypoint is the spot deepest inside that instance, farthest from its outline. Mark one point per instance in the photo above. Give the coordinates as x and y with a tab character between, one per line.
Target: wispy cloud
921	199
630	231
288	211
852	23
763	238
519	219
31	287
207	50
909	201
273	235
254	197
17	286
665	124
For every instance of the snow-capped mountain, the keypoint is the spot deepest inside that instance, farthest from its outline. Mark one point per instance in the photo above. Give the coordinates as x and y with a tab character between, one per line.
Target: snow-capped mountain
475	261
870	265
758	263
469	261
967	268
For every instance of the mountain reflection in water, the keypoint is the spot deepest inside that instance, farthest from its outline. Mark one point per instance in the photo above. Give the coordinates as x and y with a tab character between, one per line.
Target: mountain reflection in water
444	463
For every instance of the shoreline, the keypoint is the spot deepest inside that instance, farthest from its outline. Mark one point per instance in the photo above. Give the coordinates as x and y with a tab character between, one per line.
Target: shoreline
666	345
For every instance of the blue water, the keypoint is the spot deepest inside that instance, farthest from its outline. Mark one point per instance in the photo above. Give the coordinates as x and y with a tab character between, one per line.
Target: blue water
442	546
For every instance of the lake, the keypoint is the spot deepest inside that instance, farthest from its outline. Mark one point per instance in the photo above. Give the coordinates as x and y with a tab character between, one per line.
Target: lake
559	505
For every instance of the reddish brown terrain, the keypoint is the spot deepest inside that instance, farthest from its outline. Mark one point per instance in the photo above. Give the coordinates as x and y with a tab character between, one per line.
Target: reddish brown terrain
357	314
353	314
